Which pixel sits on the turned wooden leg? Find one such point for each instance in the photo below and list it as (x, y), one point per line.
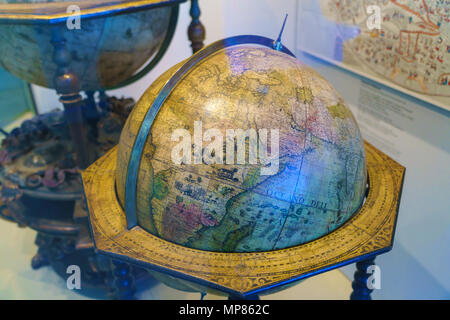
(68, 87)
(361, 290)
(196, 30)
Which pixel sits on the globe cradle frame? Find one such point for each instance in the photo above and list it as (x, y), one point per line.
(369, 232)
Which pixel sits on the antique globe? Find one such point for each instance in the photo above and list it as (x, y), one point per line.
(73, 46)
(250, 151)
(107, 48)
(241, 171)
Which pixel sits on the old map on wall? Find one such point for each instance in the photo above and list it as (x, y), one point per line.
(403, 43)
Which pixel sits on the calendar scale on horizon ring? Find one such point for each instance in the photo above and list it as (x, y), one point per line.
(200, 220)
(117, 43)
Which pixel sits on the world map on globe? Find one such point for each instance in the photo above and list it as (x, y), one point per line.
(320, 181)
(104, 51)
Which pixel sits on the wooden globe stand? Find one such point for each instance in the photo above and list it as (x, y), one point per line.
(53, 207)
(63, 242)
(368, 233)
(66, 80)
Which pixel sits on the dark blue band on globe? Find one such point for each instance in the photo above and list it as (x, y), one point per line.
(141, 138)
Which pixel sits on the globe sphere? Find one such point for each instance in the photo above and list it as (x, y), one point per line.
(309, 176)
(104, 51)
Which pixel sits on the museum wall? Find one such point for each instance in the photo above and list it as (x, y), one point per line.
(413, 133)
(417, 137)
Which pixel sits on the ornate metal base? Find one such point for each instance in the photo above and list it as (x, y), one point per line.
(40, 188)
(116, 279)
